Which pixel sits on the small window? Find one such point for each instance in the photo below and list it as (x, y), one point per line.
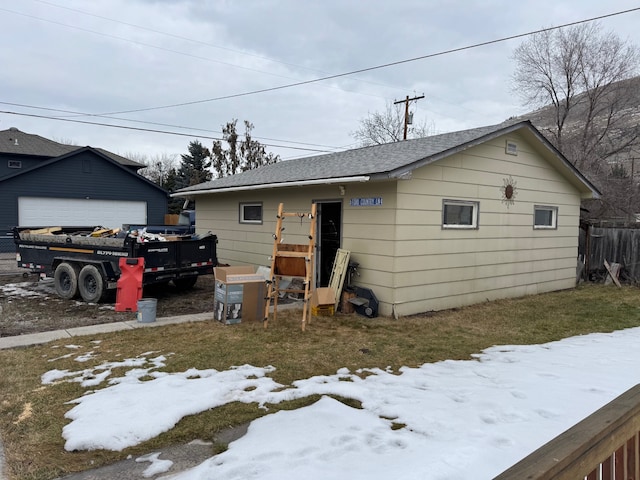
(15, 164)
(251, 213)
(511, 148)
(459, 214)
(545, 217)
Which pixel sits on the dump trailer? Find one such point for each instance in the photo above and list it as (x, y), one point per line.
(85, 261)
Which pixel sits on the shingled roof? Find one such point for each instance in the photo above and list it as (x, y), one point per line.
(16, 142)
(378, 162)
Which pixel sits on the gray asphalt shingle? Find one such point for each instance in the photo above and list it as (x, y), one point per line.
(16, 142)
(366, 161)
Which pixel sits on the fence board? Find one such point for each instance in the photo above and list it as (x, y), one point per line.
(586, 446)
(619, 245)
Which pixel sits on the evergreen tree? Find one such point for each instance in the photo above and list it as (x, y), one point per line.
(195, 166)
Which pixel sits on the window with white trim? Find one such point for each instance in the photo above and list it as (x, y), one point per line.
(251, 213)
(459, 214)
(545, 217)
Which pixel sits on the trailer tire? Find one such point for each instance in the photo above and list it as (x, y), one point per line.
(91, 284)
(66, 280)
(186, 283)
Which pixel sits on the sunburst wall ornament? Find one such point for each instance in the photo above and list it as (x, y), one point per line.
(508, 191)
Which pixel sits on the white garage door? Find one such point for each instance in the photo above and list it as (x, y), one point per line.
(36, 211)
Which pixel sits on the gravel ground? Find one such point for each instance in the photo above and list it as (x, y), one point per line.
(8, 263)
(30, 305)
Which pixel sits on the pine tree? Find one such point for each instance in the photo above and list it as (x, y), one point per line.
(195, 166)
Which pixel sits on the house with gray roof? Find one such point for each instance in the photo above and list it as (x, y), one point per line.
(434, 223)
(46, 183)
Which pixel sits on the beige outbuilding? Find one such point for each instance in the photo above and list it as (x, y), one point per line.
(434, 223)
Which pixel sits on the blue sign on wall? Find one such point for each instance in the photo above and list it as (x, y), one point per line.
(366, 202)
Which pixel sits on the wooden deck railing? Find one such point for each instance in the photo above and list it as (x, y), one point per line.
(603, 446)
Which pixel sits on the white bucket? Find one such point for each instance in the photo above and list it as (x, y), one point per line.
(147, 310)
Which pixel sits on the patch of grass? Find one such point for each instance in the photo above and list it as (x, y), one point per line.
(32, 414)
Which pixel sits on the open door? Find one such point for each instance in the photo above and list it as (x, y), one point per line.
(329, 238)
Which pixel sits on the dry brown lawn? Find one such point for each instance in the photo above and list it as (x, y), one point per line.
(32, 414)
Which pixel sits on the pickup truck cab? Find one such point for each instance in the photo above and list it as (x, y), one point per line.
(186, 225)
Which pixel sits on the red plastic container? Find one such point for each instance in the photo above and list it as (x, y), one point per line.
(129, 284)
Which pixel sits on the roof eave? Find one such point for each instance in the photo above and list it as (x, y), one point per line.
(589, 191)
(406, 170)
(263, 186)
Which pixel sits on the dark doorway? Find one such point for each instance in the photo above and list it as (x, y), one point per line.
(329, 238)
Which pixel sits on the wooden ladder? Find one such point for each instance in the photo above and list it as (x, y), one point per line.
(292, 260)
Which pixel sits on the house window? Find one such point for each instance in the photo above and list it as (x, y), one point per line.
(15, 164)
(545, 217)
(251, 213)
(459, 214)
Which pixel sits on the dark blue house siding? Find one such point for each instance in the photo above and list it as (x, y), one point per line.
(26, 162)
(81, 174)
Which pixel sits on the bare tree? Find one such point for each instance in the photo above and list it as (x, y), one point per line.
(158, 167)
(581, 73)
(387, 127)
(64, 141)
(239, 155)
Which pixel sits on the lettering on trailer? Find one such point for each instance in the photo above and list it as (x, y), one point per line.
(159, 250)
(36, 247)
(111, 253)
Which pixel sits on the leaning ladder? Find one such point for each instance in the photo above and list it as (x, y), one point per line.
(291, 260)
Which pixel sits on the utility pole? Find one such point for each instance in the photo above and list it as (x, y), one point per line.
(406, 111)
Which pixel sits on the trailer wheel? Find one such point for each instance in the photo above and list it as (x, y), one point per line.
(91, 284)
(185, 283)
(66, 281)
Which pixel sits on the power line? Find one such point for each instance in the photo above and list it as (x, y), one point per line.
(281, 87)
(13, 104)
(200, 42)
(165, 132)
(178, 37)
(177, 52)
(377, 67)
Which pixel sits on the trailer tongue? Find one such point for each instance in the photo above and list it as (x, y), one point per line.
(85, 260)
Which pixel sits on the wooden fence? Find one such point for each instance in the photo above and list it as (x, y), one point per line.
(604, 446)
(613, 244)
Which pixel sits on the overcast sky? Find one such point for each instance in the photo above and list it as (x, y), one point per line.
(108, 56)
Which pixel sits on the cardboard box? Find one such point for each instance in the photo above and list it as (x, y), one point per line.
(323, 296)
(239, 294)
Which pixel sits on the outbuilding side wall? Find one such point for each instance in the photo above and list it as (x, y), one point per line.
(367, 231)
(505, 256)
(393, 229)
